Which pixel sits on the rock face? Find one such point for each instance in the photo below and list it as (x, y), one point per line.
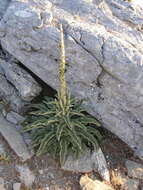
(26, 86)
(17, 87)
(104, 51)
(10, 96)
(3, 6)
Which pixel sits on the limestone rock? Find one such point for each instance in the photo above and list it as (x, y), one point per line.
(104, 51)
(2, 149)
(27, 87)
(16, 186)
(132, 184)
(14, 117)
(3, 6)
(2, 184)
(1, 181)
(135, 170)
(88, 162)
(10, 96)
(14, 139)
(26, 175)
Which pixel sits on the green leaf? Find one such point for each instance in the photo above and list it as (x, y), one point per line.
(95, 132)
(89, 120)
(78, 124)
(63, 151)
(89, 138)
(45, 141)
(74, 113)
(59, 131)
(75, 138)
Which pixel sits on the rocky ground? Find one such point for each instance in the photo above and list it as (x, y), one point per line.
(44, 173)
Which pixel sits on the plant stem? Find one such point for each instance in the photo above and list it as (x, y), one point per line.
(62, 68)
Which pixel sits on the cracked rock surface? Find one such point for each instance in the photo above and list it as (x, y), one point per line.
(104, 51)
(17, 86)
(14, 139)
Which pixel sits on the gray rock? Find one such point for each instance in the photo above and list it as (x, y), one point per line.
(16, 186)
(2, 150)
(135, 170)
(87, 163)
(2, 188)
(14, 139)
(131, 184)
(27, 87)
(26, 136)
(10, 96)
(14, 117)
(104, 51)
(3, 6)
(26, 175)
(1, 181)
(2, 184)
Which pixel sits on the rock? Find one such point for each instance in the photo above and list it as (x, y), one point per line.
(104, 51)
(132, 184)
(120, 180)
(2, 188)
(3, 6)
(14, 117)
(135, 170)
(26, 136)
(1, 181)
(26, 175)
(10, 96)
(16, 186)
(41, 172)
(88, 162)
(87, 183)
(2, 150)
(27, 87)
(14, 139)
(2, 184)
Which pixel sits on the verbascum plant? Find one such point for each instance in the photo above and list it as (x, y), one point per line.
(59, 126)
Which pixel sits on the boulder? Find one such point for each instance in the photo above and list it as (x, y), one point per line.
(2, 184)
(14, 139)
(10, 96)
(16, 186)
(3, 6)
(88, 162)
(26, 176)
(135, 170)
(24, 83)
(131, 184)
(14, 117)
(104, 52)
